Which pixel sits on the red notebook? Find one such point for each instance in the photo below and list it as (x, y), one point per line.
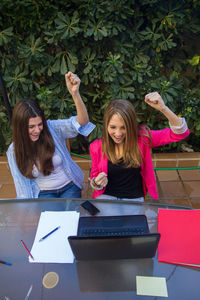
(180, 237)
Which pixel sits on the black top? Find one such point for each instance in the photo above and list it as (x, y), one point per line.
(124, 182)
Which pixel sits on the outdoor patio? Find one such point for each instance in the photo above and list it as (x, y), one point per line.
(175, 186)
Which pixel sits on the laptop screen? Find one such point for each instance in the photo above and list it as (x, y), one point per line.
(112, 225)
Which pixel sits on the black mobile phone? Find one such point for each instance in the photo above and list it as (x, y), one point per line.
(93, 210)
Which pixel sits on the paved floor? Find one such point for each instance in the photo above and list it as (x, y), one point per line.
(180, 187)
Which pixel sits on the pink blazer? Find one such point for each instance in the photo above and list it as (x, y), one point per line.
(159, 138)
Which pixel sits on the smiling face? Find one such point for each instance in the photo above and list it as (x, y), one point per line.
(35, 126)
(117, 129)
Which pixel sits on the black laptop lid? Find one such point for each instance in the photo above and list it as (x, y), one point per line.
(115, 247)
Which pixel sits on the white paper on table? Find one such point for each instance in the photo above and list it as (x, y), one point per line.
(55, 248)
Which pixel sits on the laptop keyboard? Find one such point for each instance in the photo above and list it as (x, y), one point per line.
(111, 232)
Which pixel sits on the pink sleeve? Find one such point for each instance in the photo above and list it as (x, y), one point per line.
(95, 157)
(166, 136)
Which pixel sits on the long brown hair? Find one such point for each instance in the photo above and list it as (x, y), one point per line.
(131, 151)
(28, 153)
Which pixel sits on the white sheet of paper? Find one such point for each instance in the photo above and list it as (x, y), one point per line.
(55, 248)
(151, 286)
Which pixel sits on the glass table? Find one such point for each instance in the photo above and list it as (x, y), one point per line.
(82, 280)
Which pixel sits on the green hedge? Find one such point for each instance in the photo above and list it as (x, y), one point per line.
(118, 48)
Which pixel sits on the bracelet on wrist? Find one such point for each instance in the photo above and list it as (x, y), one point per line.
(95, 185)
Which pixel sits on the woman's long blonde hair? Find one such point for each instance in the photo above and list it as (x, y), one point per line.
(131, 151)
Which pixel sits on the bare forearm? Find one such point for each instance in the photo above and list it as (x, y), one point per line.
(73, 83)
(82, 114)
(171, 116)
(156, 101)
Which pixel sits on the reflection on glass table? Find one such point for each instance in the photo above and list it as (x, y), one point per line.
(105, 279)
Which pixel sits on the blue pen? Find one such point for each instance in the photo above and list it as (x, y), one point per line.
(5, 263)
(44, 237)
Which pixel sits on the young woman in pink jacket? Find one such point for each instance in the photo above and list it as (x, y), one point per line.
(122, 166)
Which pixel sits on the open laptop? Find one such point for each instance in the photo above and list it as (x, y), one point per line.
(113, 237)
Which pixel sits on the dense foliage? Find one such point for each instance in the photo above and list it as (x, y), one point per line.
(119, 48)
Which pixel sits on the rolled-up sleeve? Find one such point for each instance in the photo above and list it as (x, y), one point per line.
(69, 128)
(83, 130)
(179, 129)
